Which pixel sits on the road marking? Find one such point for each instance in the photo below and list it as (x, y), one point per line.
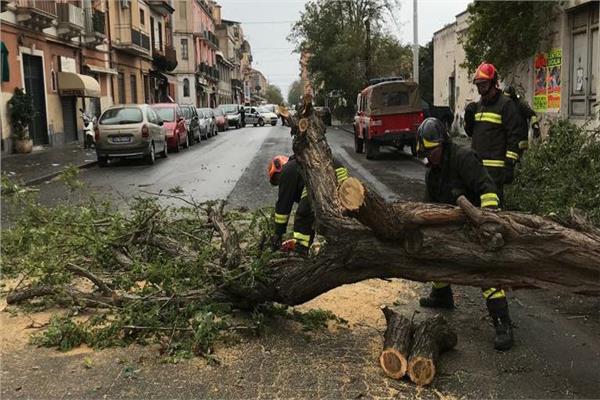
(375, 183)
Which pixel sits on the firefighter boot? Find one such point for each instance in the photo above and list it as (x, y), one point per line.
(440, 297)
(498, 309)
(300, 251)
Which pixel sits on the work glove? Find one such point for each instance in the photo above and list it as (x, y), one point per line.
(509, 172)
(536, 130)
(276, 242)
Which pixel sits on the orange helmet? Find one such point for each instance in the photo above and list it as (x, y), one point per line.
(275, 166)
(485, 72)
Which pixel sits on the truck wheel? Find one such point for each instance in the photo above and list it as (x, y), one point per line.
(372, 149)
(413, 149)
(358, 144)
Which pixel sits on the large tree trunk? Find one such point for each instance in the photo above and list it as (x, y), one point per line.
(369, 238)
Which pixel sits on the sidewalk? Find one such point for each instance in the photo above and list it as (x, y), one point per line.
(41, 165)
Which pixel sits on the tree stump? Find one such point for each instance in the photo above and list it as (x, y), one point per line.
(396, 344)
(432, 337)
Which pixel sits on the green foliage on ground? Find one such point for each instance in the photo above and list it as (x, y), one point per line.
(560, 174)
(505, 32)
(170, 292)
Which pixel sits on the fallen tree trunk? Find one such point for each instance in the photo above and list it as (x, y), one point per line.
(397, 341)
(431, 338)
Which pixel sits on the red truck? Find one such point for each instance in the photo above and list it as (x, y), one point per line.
(388, 114)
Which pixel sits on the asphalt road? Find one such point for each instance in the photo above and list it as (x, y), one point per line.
(556, 354)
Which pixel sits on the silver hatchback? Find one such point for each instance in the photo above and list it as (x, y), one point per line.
(130, 130)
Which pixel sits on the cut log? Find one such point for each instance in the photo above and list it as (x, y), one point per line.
(396, 344)
(432, 337)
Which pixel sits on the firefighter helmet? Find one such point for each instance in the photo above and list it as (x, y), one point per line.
(485, 72)
(431, 133)
(275, 166)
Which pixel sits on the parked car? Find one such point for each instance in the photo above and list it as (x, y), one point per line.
(325, 114)
(388, 114)
(260, 116)
(191, 122)
(232, 114)
(172, 116)
(208, 123)
(274, 108)
(133, 130)
(220, 120)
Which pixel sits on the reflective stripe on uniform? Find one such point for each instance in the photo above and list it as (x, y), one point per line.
(302, 239)
(489, 200)
(428, 144)
(534, 119)
(281, 218)
(512, 154)
(493, 163)
(493, 293)
(523, 144)
(488, 117)
(304, 193)
(439, 285)
(341, 174)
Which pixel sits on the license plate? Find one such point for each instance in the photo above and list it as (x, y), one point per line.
(120, 139)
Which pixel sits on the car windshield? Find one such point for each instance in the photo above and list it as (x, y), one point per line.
(122, 116)
(229, 108)
(187, 112)
(263, 110)
(167, 114)
(218, 111)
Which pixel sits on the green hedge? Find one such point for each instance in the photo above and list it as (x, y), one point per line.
(560, 174)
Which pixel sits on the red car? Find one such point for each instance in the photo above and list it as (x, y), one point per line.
(220, 120)
(388, 114)
(174, 122)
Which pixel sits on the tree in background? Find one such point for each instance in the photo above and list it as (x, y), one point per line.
(334, 33)
(273, 94)
(504, 33)
(426, 72)
(295, 92)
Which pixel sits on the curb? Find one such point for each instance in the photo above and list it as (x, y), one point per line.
(37, 181)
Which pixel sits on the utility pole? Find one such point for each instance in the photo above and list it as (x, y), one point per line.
(415, 42)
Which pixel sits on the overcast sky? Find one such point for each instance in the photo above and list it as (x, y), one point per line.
(267, 23)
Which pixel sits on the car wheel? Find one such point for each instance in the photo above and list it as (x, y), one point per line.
(151, 156)
(372, 149)
(215, 132)
(165, 152)
(102, 161)
(261, 122)
(191, 140)
(177, 145)
(186, 144)
(358, 144)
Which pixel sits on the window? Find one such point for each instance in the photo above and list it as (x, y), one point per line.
(142, 17)
(53, 80)
(186, 87)
(584, 61)
(160, 36)
(133, 82)
(184, 49)
(121, 115)
(121, 84)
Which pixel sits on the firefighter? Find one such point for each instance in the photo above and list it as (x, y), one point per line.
(527, 114)
(285, 172)
(495, 126)
(454, 171)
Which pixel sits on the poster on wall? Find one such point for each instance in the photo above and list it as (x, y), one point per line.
(540, 92)
(553, 81)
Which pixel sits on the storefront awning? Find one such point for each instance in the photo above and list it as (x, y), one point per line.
(102, 70)
(72, 84)
(164, 76)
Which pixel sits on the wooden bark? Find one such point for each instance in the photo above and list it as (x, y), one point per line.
(396, 344)
(432, 337)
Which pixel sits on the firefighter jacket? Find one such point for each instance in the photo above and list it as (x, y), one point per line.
(292, 190)
(496, 128)
(460, 173)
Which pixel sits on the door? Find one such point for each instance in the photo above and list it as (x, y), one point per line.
(33, 71)
(69, 115)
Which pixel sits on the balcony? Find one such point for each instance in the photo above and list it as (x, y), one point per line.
(36, 14)
(95, 30)
(165, 61)
(161, 6)
(132, 41)
(210, 38)
(70, 20)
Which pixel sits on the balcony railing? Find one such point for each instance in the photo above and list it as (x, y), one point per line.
(165, 61)
(36, 14)
(99, 22)
(132, 40)
(70, 20)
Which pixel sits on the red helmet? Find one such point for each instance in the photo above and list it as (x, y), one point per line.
(275, 166)
(485, 72)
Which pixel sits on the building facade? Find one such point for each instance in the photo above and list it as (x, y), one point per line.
(560, 81)
(236, 50)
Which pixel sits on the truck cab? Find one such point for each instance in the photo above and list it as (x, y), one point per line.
(388, 114)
